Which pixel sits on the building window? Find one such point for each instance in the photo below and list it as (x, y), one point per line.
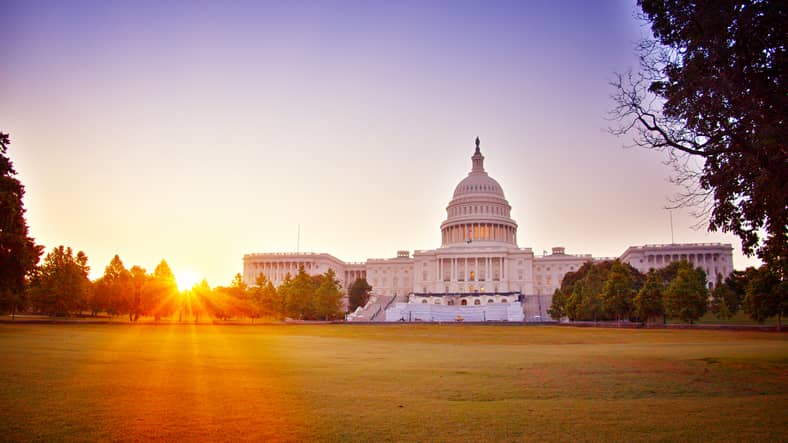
(464, 302)
(503, 300)
(437, 301)
(489, 300)
(477, 302)
(424, 301)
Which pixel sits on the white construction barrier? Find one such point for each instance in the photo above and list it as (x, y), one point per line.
(425, 312)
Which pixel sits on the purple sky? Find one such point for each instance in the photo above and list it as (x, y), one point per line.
(201, 131)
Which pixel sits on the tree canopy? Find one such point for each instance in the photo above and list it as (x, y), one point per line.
(18, 252)
(712, 88)
(358, 294)
(60, 286)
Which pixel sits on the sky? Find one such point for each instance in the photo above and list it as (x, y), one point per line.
(198, 132)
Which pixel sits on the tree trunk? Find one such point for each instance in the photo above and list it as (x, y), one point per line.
(779, 322)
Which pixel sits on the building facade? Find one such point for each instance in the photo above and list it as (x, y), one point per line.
(479, 263)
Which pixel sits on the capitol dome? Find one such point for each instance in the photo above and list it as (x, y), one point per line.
(478, 211)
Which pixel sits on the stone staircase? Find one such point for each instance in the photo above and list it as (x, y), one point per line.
(375, 309)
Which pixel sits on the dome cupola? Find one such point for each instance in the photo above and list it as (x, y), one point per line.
(478, 211)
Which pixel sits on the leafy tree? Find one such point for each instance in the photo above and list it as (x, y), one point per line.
(298, 294)
(767, 296)
(686, 296)
(648, 302)
(712, 92)
(737, 281)
(61, 285)
(358, 294)
(18, 252)
(558, 308)
(161, 292)
(591, 306)
(110, 291)
(573, 302)
(724, 303)
(136, 301)
(200, 300)
(618, 292)
(232, 301)
(264, 297)
(328, 298)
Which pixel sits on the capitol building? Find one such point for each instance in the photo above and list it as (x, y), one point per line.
(479, 273)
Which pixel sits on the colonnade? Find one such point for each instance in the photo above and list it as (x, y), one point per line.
(710, 262)
(352, 276)
(471, 269)
(692, 258)
(276, 270)
(479, 231)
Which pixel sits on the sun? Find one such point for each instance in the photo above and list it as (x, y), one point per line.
(186, 279)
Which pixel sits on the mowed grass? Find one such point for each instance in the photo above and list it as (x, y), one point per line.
(393, 382)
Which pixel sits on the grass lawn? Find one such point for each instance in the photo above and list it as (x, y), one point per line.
(383, 383)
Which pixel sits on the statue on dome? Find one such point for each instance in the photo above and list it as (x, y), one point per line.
(477, 145)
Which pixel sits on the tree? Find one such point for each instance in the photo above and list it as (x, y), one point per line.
(558, 307)
(200, 300)
(358, 294)
(136, 303)
(724, 302)
(591, 306)
(264, 297)
(61, 285)
(648, 302)
(18, 252)
(328, 298)
(685, 297)
(712, 94)
(767, 296)
(619, 291)
(110, 291)
(161, 292)
(298, 294)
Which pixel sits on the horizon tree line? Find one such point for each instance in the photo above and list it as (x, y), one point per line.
(60, 286)
(616, 291)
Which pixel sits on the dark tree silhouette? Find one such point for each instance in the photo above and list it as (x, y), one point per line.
(711, 93)
(18, 252)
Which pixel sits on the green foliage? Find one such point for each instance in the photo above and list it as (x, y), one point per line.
(648, 302)
(712, 86)
(724, 302)
(298, 294)
(686, 296)
(558, 309)
(590, 306)
(766, 296)
(61, 285)
(328, 299)
(307, 297)
(358, 294)
(619, 291)
(18, 252)
(264, 299)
